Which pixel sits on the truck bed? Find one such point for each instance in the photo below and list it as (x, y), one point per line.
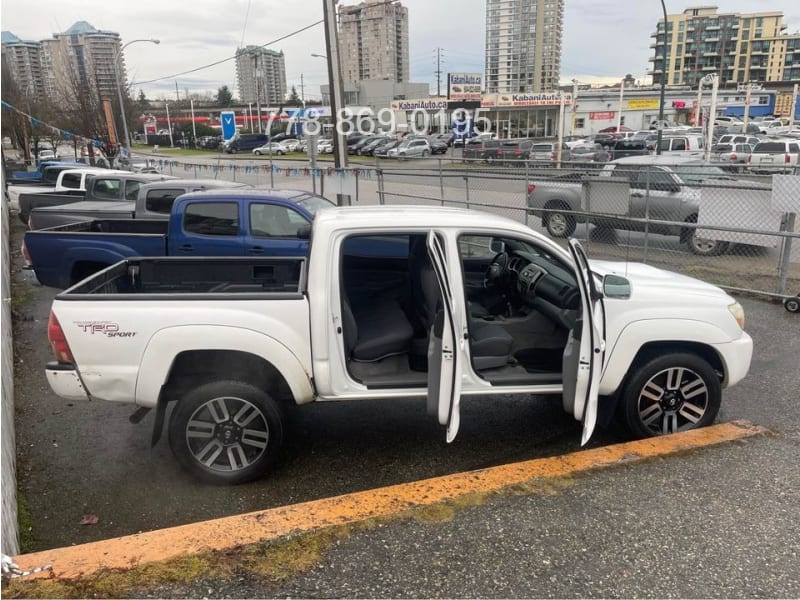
(30, 200)
(53, 216)
(193, 278)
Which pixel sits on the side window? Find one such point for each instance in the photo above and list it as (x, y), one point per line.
(794, 148)
(161, 201)
(273, 220)
(630, 172)
(656, 178)
(212, 218)
(106, 188)
(71, 181)
(679, 144)
(132, 189)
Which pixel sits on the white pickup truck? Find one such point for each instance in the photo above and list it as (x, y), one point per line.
(392, 302)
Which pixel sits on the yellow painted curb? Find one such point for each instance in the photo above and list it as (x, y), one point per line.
(229, 532)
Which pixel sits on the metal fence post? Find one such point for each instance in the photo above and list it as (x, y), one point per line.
(441, 182)
(195, 171)
(466, 189)
(786, 250)
(646, 214)
(381, 199)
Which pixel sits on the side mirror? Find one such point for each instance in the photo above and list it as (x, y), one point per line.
(497, 246)
(616, 286)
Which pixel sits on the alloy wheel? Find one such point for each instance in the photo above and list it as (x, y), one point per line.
(672, 400)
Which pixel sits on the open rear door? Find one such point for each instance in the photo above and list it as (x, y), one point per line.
(583, 357)
(444, 352)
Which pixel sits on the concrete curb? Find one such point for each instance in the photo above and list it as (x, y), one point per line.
(229, 532)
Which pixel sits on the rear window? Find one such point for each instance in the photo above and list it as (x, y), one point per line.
(212, 218)
(542, 148)
(770, 148)
(106, 188)
(71, 180)
(722, 148)
(160, 201)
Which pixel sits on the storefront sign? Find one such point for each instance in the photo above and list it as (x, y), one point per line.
(602, 116)
(492, 100)
(642, 103)
(422, 104)
(464, 86)
(783, 104)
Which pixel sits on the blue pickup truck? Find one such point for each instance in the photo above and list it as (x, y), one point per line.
(38, 175)
(233, 222)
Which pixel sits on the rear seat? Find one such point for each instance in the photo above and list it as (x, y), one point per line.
(375, 331)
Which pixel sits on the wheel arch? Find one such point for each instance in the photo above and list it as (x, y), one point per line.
(636, 345)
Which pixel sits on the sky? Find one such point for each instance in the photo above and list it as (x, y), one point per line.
(603, 39)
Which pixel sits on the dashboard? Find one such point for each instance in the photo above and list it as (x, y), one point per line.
(545, 285)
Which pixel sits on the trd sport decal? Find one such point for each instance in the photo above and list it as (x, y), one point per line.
(106, 328)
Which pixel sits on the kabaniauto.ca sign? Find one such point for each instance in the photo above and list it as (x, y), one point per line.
(464, 86)
(422, 104)
(491, 100)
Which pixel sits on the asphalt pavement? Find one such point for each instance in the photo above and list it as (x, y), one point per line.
(715, 523)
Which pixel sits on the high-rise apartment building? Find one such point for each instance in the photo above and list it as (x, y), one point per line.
(739, 47)
(523, 45)
(261, 75)
(373, 41)
(82, 57)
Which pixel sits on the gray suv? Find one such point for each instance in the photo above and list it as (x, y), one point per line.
(411, 149)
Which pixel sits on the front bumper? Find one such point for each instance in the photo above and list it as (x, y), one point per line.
(65, 381)
(736, 357)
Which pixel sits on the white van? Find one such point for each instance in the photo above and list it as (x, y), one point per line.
(679, 144)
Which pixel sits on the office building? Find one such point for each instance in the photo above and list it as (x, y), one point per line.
(523, 45)
(22, 60)
(261, 76)
(739, 47)
(373, 41)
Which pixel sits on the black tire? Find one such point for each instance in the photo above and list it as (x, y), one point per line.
(558, 222)
(792, 304)
(249, 448)
(424, 154)
(257, 153)
(701, 246)
(669, 393)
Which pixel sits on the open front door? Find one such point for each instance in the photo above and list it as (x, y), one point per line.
(583, 356)
(444, 352)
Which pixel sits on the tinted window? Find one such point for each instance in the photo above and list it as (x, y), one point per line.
(161, 201)
(794, 148)
(71, 180)
(770, 148)
(132, 189)
(656, 179)
(314, 203)
(272, 220)
(542, 148)
(106, 188)
(212, 218)
(679, 144)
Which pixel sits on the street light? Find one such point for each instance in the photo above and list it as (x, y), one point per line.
(119, 89)
(660, 125)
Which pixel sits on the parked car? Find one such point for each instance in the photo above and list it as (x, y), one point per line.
(514, 153)
(575, 140)
(728, 121)
(665, 187)
(245, 142)
(775, 127)
(481, 149)
(678, 144)
(775, 155)
(647, 136)
(587, 154)
(411, 149)
(629, 147)
(368, 148)
(209, 142)
(270, 148)
(548, 152)
(438, 145)
(325, 146)
(46, 155)
(615, 129)
(290, 145)
(382, 151)
(730, 154)
(732, 138)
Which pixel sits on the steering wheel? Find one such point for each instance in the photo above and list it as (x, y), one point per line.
(497, 269)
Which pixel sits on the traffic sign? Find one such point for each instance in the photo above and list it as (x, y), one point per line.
(228, 120)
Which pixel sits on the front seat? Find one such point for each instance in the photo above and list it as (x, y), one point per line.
(490, 344)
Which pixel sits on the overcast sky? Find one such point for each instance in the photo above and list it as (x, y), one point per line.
(603, 39)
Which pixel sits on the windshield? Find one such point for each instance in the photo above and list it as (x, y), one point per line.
(698, 173)
(314, 203)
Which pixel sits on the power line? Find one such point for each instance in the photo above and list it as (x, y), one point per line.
(224, 60)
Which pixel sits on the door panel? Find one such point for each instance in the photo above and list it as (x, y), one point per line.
(583, 357)
(445, 347)
(272, 231)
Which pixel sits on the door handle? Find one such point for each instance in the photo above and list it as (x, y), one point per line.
(255, 250)
(187, 247)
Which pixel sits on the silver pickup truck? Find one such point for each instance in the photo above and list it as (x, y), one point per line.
(153, 201)
(664, 191)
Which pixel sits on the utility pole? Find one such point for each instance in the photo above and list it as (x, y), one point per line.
(177, 94)
(438, 71)
(336, 88)
(574, 106)
(747, 96)
(793, 107)
(660, 125)
(619, 114)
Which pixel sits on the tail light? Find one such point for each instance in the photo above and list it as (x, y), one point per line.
(749, 158)
(552, 156)
(733, 157)
(58, 341)
(26, 255)
(531, 187)
(788, 159)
